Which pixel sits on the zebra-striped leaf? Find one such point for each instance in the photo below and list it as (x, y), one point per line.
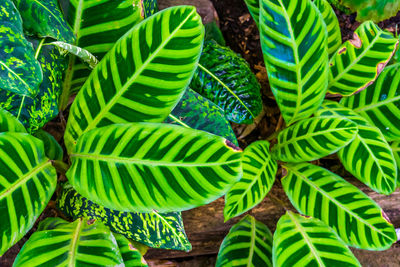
(358, 220)
(154, 229)
(259, 171)
(300, 241)
(359, 61)
(254, 8)
(368, 157)
(295, 47)
(83, 54)
(314, 138)
(141, 78)
(27, 182)
(248, 243)
(52, 148)
(145, 166)
(9, 123)
(130, 254)
(380, 103)
(60, 243)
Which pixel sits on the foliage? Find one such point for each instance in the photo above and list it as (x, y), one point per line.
(376, 10)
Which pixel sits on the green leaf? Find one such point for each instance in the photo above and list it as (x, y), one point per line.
(140, 81)
(248, 243)
(154, 229)
(197, 112)
(380, 103)
(254, 8)
(227, 80)
(376, 10)
(9, 123)
(52, 148)
(358, 220)
(60, 243)
(368, 157)
(314, 138)
(213, 32)
(295, 47)
(300, 241)
(129, 253)
(259, 171)
(396, 153)
(145, 166)
(359, 61)
(44, 19)
(20, 72)
(83, 54)
(332, 25)
(27, 182)
(35, 112)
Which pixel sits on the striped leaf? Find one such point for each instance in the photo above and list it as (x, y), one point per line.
(358, 220)
(368, 157)
(248, 243)
(259, 171)
(295, 47)
(197, 112)
(154, 229)
(140, 80)
(9, 123)
(314, 138)
(359, 61)
(145, 166)
(60, 243)
(27, 182)
(81, 53)
(332, 25)
(380, 103)
(20, 72)
(98, 24)
(44, 19)
(226, 79)
(303, 241)
(52, 148)
(254, 8)
(130, 255)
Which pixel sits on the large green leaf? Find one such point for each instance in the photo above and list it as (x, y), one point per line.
(368, 157)
(358, 220)
(248, 243)
(27, 182)
(300, 241)
(52, 148)
(314, 138)
(227, 80)
(380, 103)
(259, 170)
(254, 8)
(358, 62)
(130, 255)
(145, 166)
(154, 229)
(376, 10)
(98, 24)
(295, 47)
(60, 243)
(197, 112)
(140, 78)
(19, 70)
(44, 19)
(9, 123)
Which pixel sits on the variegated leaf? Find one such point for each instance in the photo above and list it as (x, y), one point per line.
(81, 53)
(130, 255)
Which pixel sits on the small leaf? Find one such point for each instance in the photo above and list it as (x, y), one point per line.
(83, 54)
(129, 253)
(52, 148)
(376, 10)
(9, 123)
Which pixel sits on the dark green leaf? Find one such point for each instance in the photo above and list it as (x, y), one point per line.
(52, 148)
(214, 33)
(376, 10)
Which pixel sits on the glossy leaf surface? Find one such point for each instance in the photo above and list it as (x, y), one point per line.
(129, 253)
(259, 170)
(376, 10)
(9, 123)
(81, 53)
(52, 148)
(295, 47)
(140, 81)
(357, 219)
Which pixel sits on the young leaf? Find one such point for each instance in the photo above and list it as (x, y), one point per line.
(248, 243)
(254, 8)
(259, 171)
(60, 243)
(52, 148)
(27, 182)
(368, 157)
(20, 72)
(9, 123)
(358, 220)
(380, 103)
(138, 80)
(295, 47)
(145, 166)
(376, 10)
(358, 62)
(129, 253)
(154, 229)
(300, 241)
(197, 112)
(83, 54)
(44, 19)
(313, 138)
(227, 80)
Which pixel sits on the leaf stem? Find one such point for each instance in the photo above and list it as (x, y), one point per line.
(60, 166)
(178, 121)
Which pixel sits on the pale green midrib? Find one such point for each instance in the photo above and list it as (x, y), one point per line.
(74, 244)
(378, 104)
(48, 10)
(122, 90)
(307, 239)
(226, 87)
(252, 242)
(24, 179)
(16, 75)
(173, 230)
(178, 121)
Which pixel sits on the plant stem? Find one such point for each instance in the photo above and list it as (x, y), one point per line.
(178, 121)
(60, 166)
